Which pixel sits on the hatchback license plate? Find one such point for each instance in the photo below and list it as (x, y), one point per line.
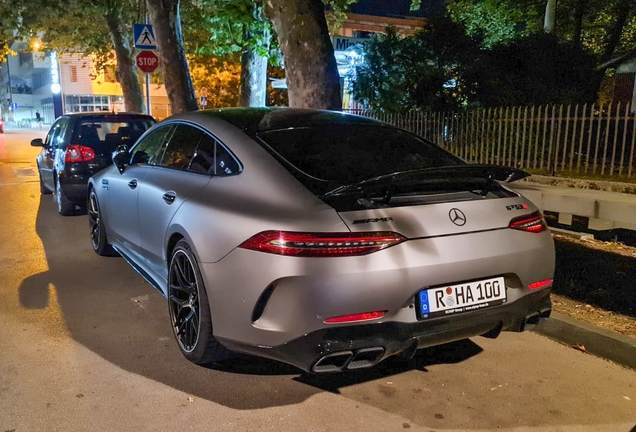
(466, 297)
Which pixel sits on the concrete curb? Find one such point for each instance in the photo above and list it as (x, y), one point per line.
(600, 342)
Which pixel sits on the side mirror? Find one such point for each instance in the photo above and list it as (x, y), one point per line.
(121, 156)
(37, 142)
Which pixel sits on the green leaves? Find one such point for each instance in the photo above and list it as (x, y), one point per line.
(423, 71)
(222, 27)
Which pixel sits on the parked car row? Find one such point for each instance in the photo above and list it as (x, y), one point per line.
(323, 240)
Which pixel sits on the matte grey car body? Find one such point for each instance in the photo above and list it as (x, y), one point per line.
(229, 240)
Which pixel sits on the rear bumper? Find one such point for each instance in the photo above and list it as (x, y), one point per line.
(74, 181)
(75, 192)
(356, 346)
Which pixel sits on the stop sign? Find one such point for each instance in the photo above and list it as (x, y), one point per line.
(147, 61)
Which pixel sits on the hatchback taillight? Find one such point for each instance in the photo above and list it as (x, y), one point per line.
(79, 153)
(533, 223)
(303, 244)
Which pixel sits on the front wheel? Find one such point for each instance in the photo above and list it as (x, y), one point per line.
(189, 309)
(98, 230)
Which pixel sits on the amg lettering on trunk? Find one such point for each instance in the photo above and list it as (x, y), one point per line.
(365, 221)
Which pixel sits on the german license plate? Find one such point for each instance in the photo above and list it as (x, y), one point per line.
(466, 297)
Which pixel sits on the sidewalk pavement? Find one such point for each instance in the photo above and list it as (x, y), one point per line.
(610, 345)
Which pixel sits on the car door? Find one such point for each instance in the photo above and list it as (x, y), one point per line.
(123, 190)
(166, 187)
(52, 143)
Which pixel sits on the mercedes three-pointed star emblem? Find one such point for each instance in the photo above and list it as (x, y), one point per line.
(457, 217)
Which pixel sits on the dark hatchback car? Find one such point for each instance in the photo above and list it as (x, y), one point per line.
(80, 145)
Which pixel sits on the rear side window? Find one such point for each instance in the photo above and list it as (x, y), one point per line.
(348, 154)
(181, 147)
(105, 135)
(212, 158)
(150, 149)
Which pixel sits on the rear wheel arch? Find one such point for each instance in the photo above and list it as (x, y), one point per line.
(172, 243)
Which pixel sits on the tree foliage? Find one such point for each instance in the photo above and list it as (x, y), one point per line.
(442, 68)
(224, 27)
(537, 69)
(421, 71)
(497, 21)
(220, 77)
(584, 22)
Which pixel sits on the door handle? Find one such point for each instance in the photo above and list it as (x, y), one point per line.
(132, 184)
(169, 197)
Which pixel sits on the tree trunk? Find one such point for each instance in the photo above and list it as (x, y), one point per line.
(310, 65)
(549, 23)
(579, 13)
(253, 88)
(166, 23)
(615, 33)
(126, 72)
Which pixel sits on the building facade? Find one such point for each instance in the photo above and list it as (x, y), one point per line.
(28, 83)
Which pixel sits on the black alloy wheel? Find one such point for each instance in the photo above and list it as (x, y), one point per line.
(98, 230)
(189, 310)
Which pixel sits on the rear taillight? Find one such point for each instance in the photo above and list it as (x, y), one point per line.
(321, 244)
(79, 153)
(533, 223)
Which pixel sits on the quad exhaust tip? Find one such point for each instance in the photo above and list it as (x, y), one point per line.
(365, 358)
(333, 362)
(535, 318)
(362, 358)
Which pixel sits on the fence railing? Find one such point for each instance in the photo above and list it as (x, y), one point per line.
(584, 140)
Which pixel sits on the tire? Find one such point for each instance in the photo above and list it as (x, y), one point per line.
(97, 228)
(43, 189)
(189, 309)
(64, 206)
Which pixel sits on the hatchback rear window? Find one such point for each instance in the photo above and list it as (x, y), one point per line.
(351, 153)
(105, 135)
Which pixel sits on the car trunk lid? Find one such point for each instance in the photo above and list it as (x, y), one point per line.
(431, 202)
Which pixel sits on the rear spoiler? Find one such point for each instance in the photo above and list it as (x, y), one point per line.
(438, 175)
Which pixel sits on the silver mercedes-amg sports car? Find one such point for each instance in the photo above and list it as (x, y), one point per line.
(324, 240)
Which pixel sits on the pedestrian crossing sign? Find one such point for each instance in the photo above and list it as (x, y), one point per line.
(144, 37)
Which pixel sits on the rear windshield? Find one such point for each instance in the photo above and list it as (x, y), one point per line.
(348, 154)
(105, 135)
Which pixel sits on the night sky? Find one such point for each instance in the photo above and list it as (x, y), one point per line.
(396, 8)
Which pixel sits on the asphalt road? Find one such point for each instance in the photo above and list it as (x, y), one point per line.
(85, 345)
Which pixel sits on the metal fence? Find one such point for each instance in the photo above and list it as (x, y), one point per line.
(575, 140)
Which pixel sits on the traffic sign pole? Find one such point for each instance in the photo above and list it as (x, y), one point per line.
(148, 94)
(148, 110)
